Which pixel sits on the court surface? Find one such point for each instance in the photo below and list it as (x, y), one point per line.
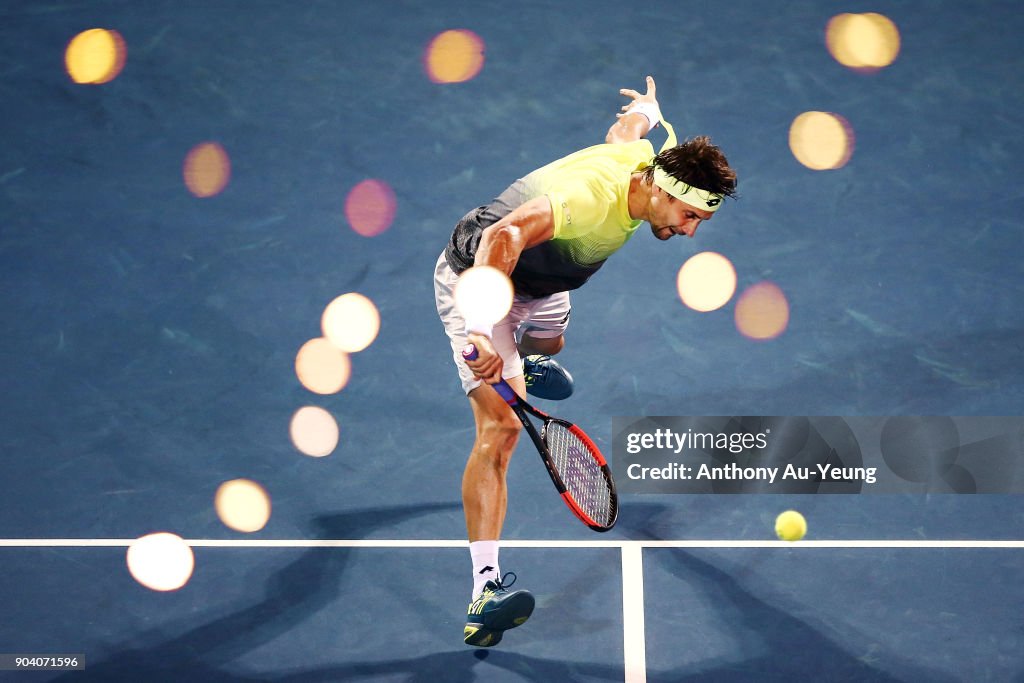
(150, 338)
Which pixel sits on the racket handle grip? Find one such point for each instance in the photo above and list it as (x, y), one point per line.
(469, 352)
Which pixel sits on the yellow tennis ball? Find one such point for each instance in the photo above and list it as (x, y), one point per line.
(790, 525)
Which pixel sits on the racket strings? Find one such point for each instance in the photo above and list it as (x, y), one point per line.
(581, 474)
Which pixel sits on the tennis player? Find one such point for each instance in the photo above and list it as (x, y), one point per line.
(550, 231)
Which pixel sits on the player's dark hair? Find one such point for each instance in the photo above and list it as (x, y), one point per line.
(699, 163)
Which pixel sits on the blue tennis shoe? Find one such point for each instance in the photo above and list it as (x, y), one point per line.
(546, 378)
(496, 610)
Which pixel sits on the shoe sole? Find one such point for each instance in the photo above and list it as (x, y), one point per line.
(481, 637)
(515, 610)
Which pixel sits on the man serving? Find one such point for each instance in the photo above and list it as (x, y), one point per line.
(550, 231)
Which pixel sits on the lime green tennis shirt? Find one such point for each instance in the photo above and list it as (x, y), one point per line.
(589, 193)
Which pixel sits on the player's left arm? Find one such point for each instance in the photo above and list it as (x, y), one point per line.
(639, 117)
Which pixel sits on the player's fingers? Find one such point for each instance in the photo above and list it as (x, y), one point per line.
(629, 93)
(488, 370)
(650, 85)
(493, 375)
(486, 376)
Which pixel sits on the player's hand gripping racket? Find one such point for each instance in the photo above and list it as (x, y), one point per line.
(577, 468)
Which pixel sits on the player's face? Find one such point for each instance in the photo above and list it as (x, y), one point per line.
(670, 216)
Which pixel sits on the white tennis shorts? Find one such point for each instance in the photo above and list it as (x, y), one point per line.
(544, 318)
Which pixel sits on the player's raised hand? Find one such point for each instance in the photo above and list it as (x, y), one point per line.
(649, 97)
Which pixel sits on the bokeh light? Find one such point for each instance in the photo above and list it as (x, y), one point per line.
(483, 295)
(314, 431)
(322, 367)
(161, 561)
(863, 42)
(762, 311)
(95, 56)
(370, 207)
(454, 56)
(243, 505)
(351, 322)
(821, 140)
(706, 281)
(207, 169)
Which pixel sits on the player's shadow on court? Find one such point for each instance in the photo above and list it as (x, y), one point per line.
(461, 666)
(787, 648)
(292, 595)
(649, 521)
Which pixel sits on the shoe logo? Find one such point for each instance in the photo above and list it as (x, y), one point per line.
(486, 569)
(478, 605)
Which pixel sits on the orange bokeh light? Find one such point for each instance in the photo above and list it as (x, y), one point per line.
(207, 169)
(322, 367)
(351, 322)
(95, 56)
(762, 311)
(821, 140)
(370, 207)
(242, 505)
(863, 42)
(454, 56)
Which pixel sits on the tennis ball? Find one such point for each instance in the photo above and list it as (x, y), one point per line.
(790, 525)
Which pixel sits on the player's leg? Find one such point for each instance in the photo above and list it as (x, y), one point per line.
(484, 494)
(484, 491)
(494, 608)
(541, 336)
(540, 346)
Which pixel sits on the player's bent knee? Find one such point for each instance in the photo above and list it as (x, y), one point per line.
(497, 427)
(498, 437)
(547, 346)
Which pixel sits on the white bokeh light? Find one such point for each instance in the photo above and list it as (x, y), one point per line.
(160, 561)
(706, 281)
(483, 295)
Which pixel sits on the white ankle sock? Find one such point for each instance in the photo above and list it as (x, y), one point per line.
(485, 564)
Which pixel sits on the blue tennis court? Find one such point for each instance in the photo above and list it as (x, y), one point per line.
(172, 231)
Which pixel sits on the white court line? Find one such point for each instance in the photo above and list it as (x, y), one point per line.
(462, 543)
(634, 641)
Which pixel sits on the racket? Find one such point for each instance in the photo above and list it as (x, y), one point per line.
(578, 470)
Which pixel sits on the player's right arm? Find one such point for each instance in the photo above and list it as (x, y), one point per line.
(500, 246)
(527, 226)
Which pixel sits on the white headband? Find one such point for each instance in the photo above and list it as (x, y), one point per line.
(694, 196)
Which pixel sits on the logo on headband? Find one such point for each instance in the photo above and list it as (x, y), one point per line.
(713, 201)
